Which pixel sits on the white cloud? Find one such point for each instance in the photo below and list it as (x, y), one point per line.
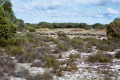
(48, 10)
(113, 11)
(116, 1)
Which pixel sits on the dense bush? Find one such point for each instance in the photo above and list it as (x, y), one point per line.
(113, 29)
(7, 29)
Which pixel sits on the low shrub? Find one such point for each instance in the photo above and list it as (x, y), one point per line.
(117, 55)
(62, 46)
(51, 62)
(71, 67)
(73, 57)
(7, 42)
(77, 43)
(14, 50)
(31, 29)
(62, 36)
(99, 57)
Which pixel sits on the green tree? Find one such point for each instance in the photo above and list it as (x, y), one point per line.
(113, 29)
(7, 28)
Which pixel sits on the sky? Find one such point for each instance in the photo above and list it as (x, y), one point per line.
(75, 11)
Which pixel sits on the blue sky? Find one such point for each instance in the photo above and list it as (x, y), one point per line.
(77, 11)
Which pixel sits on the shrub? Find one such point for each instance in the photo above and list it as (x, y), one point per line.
(51, 62)
(26, 57)
(31, 29)
(104, 45)
(71, 67)
(99, 57)
(62, 47)
(62, 36)
(73, 57)
(77, 43)
(4, 42)
(7, 30)
(117, 55)
(14, 50)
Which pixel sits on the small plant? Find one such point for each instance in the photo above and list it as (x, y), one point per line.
(73, 57)
(14, 50)
(51, 62)
(99, 57)
(62, 47)
(31, 29)
(71, 67)
(77, 43)
(62, 35)
(117, 55)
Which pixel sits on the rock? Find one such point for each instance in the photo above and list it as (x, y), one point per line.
(37, 63)
(45, 76)
(7, 65)
(113, 29)
(22, 74)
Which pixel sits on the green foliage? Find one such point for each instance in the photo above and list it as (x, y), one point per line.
(68, 25)
(77, 43)
(62, 47)
(7, 29)
(99, 57)
(51, 62)
(62, 36)
(117, 55)
(73, 57)
(113, 29)
(31, 29)
(14, 50)
(8, 11)
(98, 26)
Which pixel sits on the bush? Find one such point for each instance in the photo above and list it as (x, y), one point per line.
(14, 50)
(117, 55)
(31, 29)
(62, 36)
(51, 62)
(99, 57)
(77, 43)
(4, 42)
(7, 29)
(73, 57)
(71, 67)
(62, 47)
(26, 57)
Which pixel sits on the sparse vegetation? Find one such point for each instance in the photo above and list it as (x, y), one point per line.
(99, 57)
(74, 57)
(51, 62)
(22, 46)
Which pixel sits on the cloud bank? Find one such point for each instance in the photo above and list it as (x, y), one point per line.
(89, 11)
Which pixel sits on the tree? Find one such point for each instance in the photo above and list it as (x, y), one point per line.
(113, 29)
(7, 29)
